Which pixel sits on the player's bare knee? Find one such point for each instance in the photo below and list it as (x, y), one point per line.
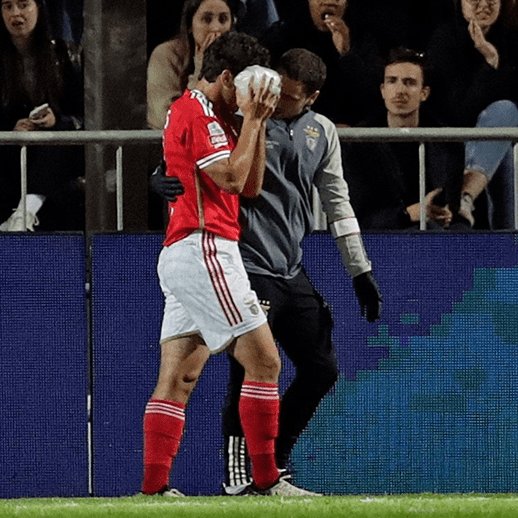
(190, 378)
(266, 369)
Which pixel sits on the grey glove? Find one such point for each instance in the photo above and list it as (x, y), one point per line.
(168, 187)
(368, 295)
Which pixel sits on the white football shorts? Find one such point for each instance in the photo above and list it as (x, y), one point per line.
(207, 291)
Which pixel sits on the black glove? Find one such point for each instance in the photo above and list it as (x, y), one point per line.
(168, 187)
(368, 295)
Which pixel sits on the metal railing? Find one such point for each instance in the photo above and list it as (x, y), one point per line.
(127, 137)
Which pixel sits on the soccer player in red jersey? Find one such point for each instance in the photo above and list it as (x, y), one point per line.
(209, 305)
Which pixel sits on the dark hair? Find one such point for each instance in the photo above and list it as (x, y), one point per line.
(405, 55)
(304, 66)
(232, 51)
(48, 78)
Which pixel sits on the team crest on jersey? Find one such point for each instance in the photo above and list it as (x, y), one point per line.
(312, 136)
(217, 136)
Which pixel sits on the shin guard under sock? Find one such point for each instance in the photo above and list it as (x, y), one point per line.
(163, 427)
(259, 413)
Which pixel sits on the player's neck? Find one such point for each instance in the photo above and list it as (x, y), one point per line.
(212, 91)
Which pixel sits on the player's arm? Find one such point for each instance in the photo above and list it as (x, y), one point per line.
(254, 182)
(344, 227)
(232, 173)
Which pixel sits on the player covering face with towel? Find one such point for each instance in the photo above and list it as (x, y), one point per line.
(302, 151)
(209, 305)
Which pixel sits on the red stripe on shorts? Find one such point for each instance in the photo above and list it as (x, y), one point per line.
(219, 282)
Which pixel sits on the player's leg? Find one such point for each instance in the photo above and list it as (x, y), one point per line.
(237, 464)
(259, 411)
(259, 401)
(304, 333)
(181, 363)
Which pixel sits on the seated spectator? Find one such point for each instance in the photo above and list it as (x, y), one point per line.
(383, 177)
(475, 59)
(175, 64)
(353, 68)
(37, 70)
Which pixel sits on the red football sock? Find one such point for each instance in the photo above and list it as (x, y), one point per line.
(259, 412)
(163, 427)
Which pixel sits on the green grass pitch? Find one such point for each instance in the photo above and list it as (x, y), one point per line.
(400, 506)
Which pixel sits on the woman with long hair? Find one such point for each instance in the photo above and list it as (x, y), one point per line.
(474, 58)
(175, 64)
(41, 88)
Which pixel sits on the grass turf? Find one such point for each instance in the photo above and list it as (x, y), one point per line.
(400, 506)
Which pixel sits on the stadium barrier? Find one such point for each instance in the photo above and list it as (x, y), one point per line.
(126, 137)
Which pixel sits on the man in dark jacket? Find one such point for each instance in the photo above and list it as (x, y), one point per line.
(383, 178)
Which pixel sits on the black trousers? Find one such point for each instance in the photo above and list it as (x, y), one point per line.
(301, 323)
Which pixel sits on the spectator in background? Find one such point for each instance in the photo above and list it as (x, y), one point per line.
(475, 58)
(175, 64)
(383, 177)
(163, 18)
(36, 69)
(353, 67)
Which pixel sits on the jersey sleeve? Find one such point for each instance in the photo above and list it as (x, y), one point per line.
(210, 141)
(334, 194)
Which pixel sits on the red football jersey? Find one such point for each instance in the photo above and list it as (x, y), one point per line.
(194, 138)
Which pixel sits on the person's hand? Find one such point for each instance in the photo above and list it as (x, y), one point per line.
(47, 121)
(258, 103)
(199, 49)
(441, 215)
(368, 295)
(339, 32)
(168, 187)
(212, 36)
(488, 50)
(24, 125)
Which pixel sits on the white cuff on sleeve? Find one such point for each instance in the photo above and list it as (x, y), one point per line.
(344, 227)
